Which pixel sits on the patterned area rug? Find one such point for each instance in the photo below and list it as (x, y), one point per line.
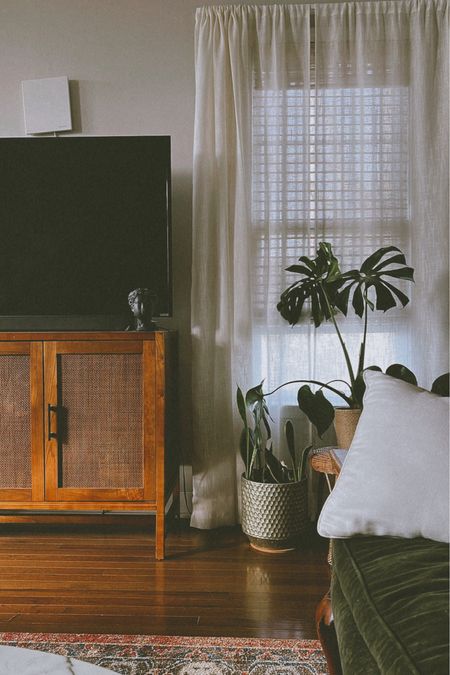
(165, 655)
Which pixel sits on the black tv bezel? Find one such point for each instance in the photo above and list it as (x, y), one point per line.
(93, 322)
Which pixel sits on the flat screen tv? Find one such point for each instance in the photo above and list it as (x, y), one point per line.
(83, 221)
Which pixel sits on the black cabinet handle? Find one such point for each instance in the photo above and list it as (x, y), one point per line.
(50, 409)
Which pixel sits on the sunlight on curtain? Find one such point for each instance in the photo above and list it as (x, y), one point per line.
(374, 63)
(306, 135)
(237, 48)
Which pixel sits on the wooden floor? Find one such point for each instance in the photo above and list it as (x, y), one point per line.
(104, 579)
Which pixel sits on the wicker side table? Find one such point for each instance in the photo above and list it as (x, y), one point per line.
(327, 461)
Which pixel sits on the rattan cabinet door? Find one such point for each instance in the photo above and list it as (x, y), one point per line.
(21, 432)
(99, 442)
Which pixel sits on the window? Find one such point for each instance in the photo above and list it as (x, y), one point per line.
(329, 163)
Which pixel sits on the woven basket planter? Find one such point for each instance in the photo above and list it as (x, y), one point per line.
(345, 421)
(274, 515)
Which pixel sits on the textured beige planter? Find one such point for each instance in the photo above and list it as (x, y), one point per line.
(345, 421)
(274, 515)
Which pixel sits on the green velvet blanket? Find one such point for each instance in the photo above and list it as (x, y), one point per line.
(390, 601)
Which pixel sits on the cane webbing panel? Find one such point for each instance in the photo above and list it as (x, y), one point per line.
(15, 421)
(100, 424)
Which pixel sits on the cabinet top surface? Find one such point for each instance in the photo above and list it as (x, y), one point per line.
(28, 336)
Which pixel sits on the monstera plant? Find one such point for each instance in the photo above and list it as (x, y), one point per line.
(328, 292)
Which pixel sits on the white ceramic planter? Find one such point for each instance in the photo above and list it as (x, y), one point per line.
(274, 515)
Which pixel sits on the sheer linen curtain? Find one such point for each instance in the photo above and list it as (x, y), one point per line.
(237, 49)
(339, 134)
(382, 117)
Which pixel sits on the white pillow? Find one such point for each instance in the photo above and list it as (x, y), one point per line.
(395, 478)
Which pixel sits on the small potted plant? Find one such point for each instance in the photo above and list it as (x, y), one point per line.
(274, 496)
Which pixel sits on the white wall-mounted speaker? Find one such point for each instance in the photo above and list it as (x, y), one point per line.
(46, 105)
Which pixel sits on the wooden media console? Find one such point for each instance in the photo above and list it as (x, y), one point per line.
(87, 423)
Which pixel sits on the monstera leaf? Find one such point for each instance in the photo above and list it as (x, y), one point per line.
(372, 275)
(441, 385)
(316, 407)
(401, 373)
(397, 370)
(321, 279)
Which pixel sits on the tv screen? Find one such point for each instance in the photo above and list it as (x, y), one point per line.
(83, 221)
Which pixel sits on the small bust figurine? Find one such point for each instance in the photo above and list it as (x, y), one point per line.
(141, 302)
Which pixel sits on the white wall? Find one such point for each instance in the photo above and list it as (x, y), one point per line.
(130, 63)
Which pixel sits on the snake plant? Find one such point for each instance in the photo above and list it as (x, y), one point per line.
(261, 464)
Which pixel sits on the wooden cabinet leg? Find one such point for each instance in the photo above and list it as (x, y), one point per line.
(327, 635)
